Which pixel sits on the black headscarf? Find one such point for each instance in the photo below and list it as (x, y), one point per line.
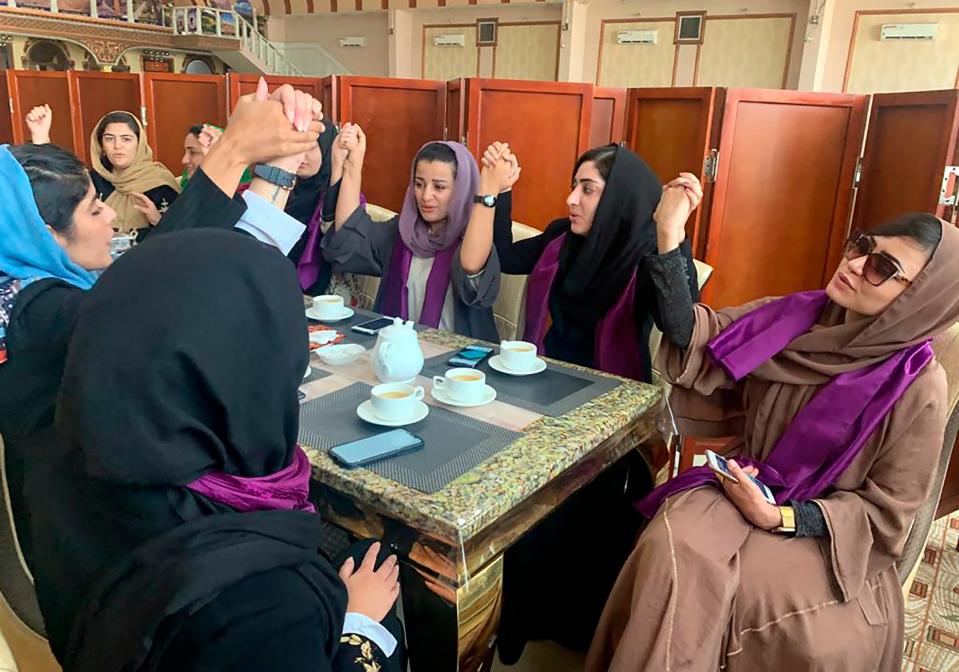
(308, 191)
(195, 371)
(595, 269)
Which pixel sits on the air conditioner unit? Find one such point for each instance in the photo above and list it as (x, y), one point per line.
(637, 36)
(909, 31)
(352, 41)
(450, 40)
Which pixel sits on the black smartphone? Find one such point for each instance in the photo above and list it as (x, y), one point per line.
(373, 327)
(471, 356)
(372, 448)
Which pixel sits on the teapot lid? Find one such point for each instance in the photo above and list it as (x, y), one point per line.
(399, 329)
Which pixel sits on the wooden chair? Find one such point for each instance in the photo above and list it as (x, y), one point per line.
(947, 352)
(21, 624)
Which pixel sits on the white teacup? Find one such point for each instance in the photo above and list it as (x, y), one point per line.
(464, 385)
(518, 355)
(395, 401)
(328, 306)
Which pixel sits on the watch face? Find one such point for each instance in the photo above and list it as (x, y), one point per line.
(489, 201)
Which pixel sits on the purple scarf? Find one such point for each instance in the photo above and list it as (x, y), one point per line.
(311, 261)
(616, 342)
(396, 300)
(827, 434)
(286, 490)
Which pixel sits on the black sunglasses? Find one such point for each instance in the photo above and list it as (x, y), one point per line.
(879, 266)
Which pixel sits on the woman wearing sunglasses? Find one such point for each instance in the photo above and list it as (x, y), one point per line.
(837, 404)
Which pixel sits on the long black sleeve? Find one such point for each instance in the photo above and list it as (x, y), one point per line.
(675, 290)
(810, 521)
(201, 205)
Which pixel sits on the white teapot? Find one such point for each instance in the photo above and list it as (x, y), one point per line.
(397, 357)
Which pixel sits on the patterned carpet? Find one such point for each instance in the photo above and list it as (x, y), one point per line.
(932, 610)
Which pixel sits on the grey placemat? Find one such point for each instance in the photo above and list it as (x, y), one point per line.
(359, 317)
(454, 443)
(555, 391)
(316, 373)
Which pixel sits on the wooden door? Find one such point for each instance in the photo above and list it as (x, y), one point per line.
(608, 124)
(6, 118)
(674, 129)
(547, 125)
(398, 116)
(912, 138)
(456, 110)
(783, 192)
(29, 89)
(329, 98)
(173, 104)
(96, 94)
(242, 84)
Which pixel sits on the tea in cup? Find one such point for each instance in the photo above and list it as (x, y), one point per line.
(395, 401)
(464, 385)
(518, 355)
(328, 306)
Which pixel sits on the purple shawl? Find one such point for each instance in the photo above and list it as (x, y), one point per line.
(287, 489)
(615, 348)
(827, 434)
(311, 261)
(415, 239)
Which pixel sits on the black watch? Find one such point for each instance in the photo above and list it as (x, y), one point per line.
(281, 178)
(488, 201)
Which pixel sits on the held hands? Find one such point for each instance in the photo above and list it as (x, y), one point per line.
(371, 591)
(275, 128)
(208, 137)
(680, 199)
(146, 208)
(39, 120)
(351, 142)
(748, 499)
(500, 170)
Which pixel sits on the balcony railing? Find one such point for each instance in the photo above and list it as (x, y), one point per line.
(214, 22)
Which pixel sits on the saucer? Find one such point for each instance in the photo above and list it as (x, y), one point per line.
(496, 363)
(345, 315)
(340, 355)
(365, 411)
(440, 395)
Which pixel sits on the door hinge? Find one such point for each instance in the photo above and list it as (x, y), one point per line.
(143, 115)
(857, 176)
(947, 175)
(711, 165)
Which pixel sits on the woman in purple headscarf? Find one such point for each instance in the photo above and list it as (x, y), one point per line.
(416, 252)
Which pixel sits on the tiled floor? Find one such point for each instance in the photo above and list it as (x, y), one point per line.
(932, 610)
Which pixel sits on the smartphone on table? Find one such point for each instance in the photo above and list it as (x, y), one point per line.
(373, 448)
(471, 356)
(373, 327)
(721, 468)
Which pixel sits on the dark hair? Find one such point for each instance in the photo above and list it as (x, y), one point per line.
(115, 118)
(603, 157)
(196, 130)
(59, 182)
(437, 151)
(922, 227)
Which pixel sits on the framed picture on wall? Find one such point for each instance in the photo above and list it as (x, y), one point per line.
(690, 27)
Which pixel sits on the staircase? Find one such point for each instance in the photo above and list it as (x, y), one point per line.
(248, 50)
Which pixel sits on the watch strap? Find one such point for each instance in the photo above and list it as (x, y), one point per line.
(281, 178)
(788, 526)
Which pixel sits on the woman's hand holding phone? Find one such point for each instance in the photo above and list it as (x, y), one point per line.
(748, 499)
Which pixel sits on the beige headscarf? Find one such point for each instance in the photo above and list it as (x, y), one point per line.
(138, 178)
